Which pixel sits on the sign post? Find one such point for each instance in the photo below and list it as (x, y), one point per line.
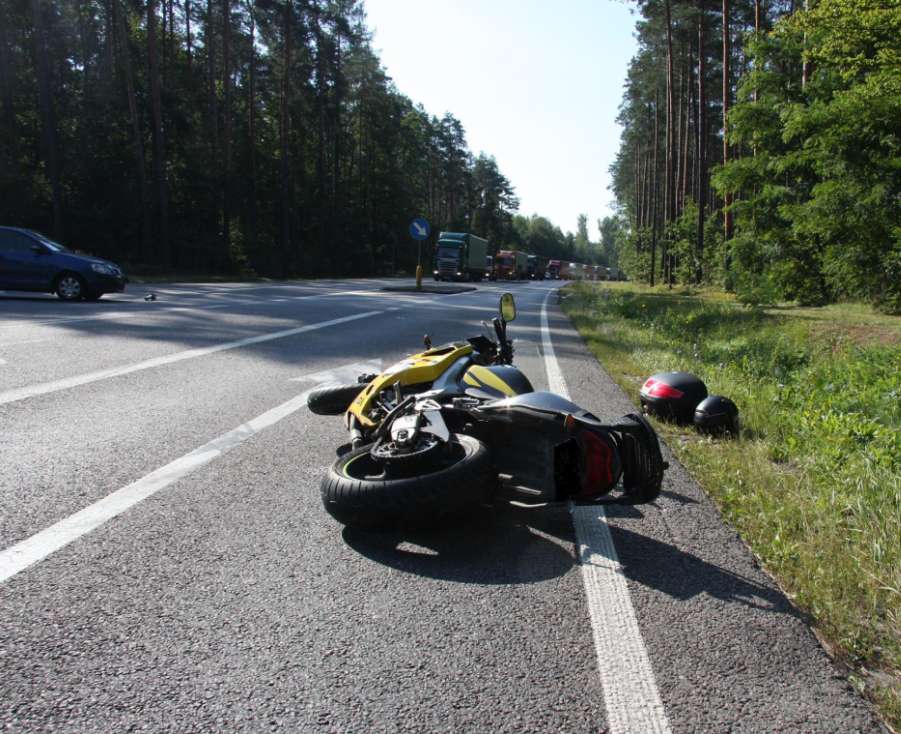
(419, 230)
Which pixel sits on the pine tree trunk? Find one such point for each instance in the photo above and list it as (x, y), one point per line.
(252, 133)
(48, 117)
(702, 149)
(757, 35)
(669, 187)
(727, 198)
(162, 43)
(159, 151)
(655, 190)
(226, 130)
(335, 207)
(686, 177)
(805, 64)
(121, 27)
(636, 170)
(109, 50)
(678, 163)
(189, 50)
(214, 173)
(284, 161)
(6, 89)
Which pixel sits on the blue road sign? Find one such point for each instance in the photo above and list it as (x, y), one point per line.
(419, 228)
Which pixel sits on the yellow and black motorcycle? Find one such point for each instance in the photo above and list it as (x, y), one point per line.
(445, 430)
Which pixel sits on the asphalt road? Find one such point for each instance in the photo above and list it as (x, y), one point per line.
(227, 600)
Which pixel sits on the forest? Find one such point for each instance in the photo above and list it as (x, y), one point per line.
(761, 150)
(245, 137)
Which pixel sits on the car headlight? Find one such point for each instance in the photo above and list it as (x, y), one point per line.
(104, 269)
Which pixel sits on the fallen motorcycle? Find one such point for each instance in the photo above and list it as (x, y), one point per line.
(457, 425)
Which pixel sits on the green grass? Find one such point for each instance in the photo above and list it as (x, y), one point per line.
(814, 482)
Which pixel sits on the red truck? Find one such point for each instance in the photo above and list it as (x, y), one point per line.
(511, 265)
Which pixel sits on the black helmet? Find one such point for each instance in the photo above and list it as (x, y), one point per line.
(717, 416)
(672, 395)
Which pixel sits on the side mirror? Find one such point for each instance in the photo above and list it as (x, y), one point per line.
(508, 307)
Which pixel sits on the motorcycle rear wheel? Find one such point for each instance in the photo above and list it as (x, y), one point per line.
(358, 492)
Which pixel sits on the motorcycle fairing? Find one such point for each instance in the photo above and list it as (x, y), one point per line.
(422, 368)
(551, 448)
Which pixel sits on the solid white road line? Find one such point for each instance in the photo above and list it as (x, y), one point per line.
(23, 393)
(26, 553)
(630, 692)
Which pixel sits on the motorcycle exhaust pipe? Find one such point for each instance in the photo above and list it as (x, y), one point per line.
(356, 435)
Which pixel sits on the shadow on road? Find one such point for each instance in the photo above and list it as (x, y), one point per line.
(682, 575)
(496, 545)
(511, 545)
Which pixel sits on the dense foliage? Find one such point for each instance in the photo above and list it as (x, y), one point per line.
(229, 135)
(761, 149)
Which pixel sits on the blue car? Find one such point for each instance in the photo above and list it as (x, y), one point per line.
(29, 261)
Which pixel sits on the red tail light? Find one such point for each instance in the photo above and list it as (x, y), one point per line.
(654, 389)
(598, 463)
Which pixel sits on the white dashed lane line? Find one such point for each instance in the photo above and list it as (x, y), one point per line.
(20, 556)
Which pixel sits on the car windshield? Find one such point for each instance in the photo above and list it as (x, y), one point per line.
(505, 261)
(47, 242)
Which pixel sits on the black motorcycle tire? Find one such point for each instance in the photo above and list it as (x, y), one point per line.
(333, 400)
(427, 499)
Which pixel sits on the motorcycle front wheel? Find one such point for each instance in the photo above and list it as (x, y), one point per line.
(362, 492)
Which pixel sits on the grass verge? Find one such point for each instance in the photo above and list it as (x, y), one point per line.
(814, 482)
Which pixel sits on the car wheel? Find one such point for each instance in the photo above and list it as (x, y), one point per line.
(70, 287)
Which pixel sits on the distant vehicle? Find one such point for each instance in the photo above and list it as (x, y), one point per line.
(600, 272)
(489, 263)
(537, 267)
(575, 271)
(29, 261)
(553, 270)
(564, 273)
(460, 256)
(511, 265)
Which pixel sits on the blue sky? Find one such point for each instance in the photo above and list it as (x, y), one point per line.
(536, 83)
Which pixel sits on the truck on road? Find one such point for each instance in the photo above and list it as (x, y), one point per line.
(511, 265)
(537, 267)
(460, 256)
